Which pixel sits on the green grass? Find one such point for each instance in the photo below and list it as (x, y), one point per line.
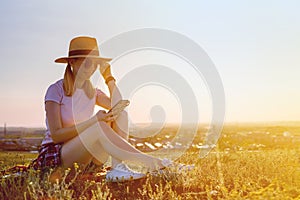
(236, 169)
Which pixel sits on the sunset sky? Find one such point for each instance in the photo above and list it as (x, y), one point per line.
(255, 46)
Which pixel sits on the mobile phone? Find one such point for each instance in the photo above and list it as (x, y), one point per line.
(119, 107)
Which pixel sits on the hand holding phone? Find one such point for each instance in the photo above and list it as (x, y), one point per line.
(119, 107)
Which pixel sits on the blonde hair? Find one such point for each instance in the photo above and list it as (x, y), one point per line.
(69, 83)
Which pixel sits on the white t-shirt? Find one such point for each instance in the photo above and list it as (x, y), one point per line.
(73, 109)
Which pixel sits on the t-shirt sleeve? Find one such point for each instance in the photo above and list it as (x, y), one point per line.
(54, 93)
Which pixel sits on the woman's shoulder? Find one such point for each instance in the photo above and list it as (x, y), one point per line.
(55, 92)
(59, 82)
(56, 86)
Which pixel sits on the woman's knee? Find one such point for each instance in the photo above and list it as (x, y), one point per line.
(123, 114)
(122, 120)
(67, 152)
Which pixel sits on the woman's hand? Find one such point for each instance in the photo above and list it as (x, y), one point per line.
(105, 70)
(106, 117)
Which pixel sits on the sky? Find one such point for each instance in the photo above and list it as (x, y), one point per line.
(254, 45)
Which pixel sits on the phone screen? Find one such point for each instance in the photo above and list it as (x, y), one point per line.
(119, 107)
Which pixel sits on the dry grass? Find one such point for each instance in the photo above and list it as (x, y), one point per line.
(250, 162)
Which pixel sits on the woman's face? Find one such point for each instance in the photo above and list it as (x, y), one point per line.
(84, 68)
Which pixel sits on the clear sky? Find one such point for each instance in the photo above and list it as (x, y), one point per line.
(255, 46)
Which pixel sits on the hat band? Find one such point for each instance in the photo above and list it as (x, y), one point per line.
(84, 52)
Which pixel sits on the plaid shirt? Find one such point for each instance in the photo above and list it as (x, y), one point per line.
(49, 156)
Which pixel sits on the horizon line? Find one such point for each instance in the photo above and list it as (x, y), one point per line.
(177, 123)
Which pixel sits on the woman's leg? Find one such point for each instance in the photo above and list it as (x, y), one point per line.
(77, 151)
(98, 140)
(120, 125)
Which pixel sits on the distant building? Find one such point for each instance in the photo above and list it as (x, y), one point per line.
(4, 131)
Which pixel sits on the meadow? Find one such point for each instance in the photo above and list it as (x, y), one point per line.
(250, 161)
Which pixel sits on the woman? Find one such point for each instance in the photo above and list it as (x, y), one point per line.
(73, 133)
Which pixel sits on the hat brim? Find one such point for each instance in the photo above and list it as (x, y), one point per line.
(65, 59)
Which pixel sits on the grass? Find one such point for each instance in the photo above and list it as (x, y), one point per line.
(249, 162)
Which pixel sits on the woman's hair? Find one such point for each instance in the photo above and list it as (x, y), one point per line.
(69, 83)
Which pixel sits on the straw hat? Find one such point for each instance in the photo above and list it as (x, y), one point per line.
(83, 47)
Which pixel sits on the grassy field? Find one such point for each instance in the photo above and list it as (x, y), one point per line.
(251, 161)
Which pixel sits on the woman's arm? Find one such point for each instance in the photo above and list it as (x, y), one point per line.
(114, 91)
(103, 100)
(60, 134)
